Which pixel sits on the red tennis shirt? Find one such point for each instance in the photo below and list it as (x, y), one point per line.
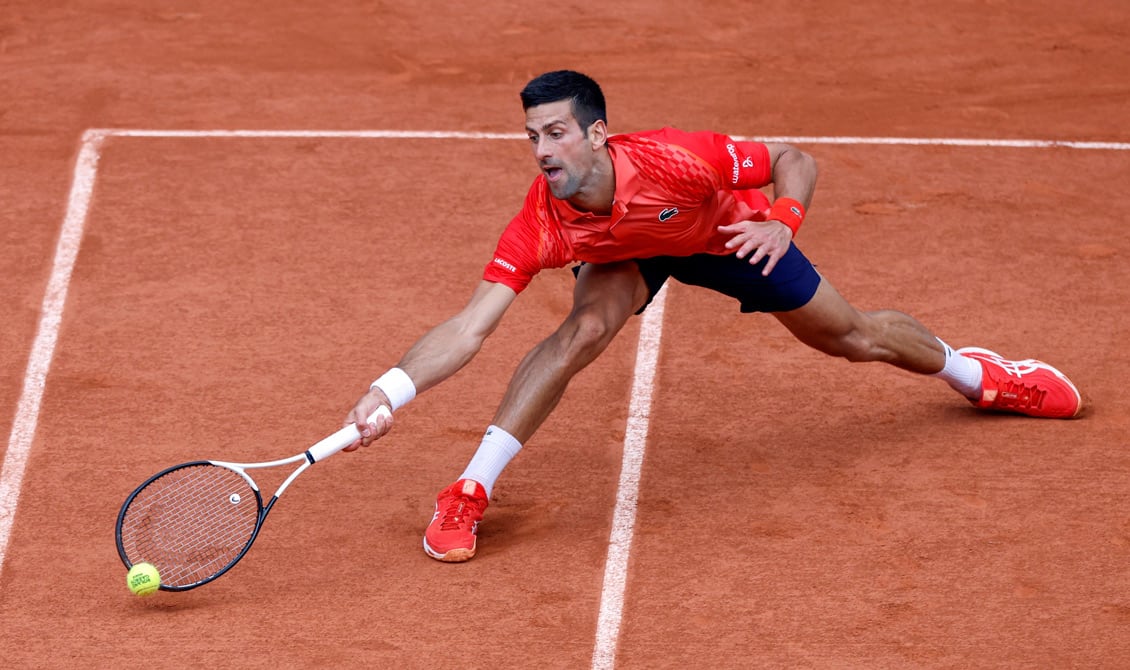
(673, 190)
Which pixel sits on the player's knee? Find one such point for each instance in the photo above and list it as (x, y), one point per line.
(870, 339)
(588, 332)
(854, 346)
(858, 348)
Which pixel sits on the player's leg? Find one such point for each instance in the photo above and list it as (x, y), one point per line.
(604, 297)
(819, 316)
(830, 324)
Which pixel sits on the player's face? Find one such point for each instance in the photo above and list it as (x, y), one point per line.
(564, 152)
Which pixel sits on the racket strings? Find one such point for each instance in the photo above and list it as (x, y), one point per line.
(191, 523)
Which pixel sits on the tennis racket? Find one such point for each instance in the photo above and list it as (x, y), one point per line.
(196, 520)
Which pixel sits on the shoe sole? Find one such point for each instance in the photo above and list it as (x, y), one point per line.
(978, 352)
(453, 556)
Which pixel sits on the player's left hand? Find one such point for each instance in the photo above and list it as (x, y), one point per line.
(758, 240)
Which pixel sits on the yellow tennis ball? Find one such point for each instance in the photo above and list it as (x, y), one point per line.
(143, 579)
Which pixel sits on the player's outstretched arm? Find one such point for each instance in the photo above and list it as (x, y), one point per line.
(440, 353)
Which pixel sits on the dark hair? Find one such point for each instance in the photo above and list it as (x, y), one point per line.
(585, 94)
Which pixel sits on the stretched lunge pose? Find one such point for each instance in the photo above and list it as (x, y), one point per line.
(636, 209)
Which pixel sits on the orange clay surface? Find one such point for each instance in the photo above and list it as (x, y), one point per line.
(232, 297)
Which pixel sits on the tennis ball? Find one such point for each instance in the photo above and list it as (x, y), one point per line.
(143, 579)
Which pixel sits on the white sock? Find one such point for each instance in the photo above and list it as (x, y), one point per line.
(495, 451)
(961, 373)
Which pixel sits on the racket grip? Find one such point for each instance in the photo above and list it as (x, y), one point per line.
(329, 446)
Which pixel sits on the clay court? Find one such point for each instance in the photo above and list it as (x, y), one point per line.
(221, 222)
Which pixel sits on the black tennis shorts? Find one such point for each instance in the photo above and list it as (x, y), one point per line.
(790, 285)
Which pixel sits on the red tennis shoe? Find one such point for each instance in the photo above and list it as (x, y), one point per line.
(1028, 387)
(450, 536)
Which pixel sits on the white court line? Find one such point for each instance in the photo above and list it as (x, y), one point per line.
(627, 492)
(85, 172)
(43, 348)
(460, 135)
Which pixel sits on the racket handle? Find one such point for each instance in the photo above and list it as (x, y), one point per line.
(343, 438)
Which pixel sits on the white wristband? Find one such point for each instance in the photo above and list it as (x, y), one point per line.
(397, 385)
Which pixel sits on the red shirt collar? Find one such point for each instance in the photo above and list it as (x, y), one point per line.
(627, 186)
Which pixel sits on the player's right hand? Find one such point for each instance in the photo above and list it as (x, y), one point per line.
(371, 431)
(758, 239)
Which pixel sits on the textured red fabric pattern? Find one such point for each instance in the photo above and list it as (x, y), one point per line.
(673, 190)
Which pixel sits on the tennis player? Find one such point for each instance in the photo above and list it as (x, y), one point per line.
(636, 209)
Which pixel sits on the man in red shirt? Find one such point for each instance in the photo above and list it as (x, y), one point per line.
(636, 209)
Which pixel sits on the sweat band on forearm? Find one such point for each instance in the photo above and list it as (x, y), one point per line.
(789, 212)
(397, 385)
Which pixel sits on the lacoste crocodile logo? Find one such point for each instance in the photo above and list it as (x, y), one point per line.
(668, 214)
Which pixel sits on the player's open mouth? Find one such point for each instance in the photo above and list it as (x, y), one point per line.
(553, 173)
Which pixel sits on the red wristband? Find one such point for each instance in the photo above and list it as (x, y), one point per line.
(789, 212)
